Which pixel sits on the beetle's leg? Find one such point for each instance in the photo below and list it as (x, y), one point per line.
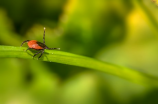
(27, 49)
(41, 54)
(54, 48)
(24, 42)
(36, 54)
(44, 36)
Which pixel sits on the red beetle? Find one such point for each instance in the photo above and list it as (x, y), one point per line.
(33, 44)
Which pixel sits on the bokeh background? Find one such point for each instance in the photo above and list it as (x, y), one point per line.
(122, 32)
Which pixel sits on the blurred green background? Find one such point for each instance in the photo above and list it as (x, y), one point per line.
(122, 32)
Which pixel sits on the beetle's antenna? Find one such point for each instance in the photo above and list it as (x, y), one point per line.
(24, 42)
(44, 35)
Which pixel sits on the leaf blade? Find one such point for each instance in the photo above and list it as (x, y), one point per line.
(81, 61)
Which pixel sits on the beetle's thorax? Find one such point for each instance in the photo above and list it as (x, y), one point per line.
(34, 44)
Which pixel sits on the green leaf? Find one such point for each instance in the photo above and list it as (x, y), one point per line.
(82, 61)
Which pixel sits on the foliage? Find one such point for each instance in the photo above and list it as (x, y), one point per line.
(118, 38)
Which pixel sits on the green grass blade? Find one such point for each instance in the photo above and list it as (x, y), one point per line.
(82, 61)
